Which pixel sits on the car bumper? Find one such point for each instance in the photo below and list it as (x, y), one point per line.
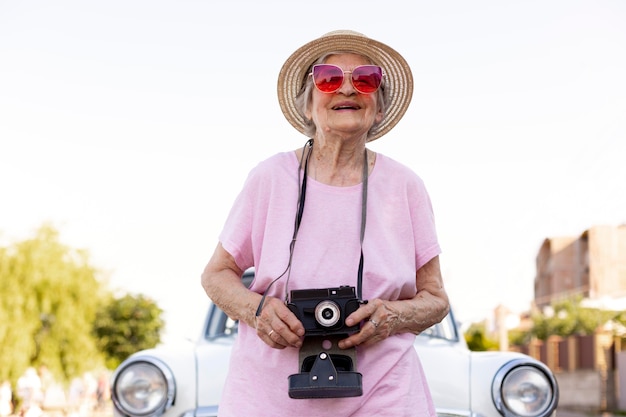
(212, 412)
(201, 412)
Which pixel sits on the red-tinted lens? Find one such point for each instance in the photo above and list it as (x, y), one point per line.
(327, 78)
(367, 78)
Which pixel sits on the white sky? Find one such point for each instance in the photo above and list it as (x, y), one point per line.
(131, 125)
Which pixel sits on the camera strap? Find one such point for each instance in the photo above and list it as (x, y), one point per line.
(299, 212)
(304, 163)
(304, 159)
(359, 283)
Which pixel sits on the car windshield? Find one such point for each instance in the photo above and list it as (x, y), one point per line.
(447, 330)
(220, 325)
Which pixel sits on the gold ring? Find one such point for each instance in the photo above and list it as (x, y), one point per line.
(270, 333)
(374, 322)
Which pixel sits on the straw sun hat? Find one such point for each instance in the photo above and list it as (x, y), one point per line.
(398, 78)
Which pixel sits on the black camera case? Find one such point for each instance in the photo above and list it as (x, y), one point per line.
(325, 370)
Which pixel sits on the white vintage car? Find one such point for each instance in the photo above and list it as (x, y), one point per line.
(187, 381)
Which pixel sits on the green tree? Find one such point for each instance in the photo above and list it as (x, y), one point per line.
(570, 317)
(127, 324)
(49, 295)
(519, 337)
(477, 339)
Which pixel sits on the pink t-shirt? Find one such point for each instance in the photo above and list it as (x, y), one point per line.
(400, 237)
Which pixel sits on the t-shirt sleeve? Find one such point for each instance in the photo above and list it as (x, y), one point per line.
(236, 235)
(423, 217)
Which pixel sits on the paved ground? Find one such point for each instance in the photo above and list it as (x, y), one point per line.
(109, 413)
(559, 413)
(575, 413)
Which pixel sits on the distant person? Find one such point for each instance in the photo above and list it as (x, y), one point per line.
(52, 391)
(75, 396)
(332, 214)
(6, 399)
(103, 393)
(29, 391)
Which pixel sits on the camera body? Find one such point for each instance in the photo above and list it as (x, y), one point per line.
(323, 311)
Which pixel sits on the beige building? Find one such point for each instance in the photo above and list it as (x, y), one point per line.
(592, 265)
(590, 369)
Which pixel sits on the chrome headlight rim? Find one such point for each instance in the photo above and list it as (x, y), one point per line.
(165, 372)
(517, 364)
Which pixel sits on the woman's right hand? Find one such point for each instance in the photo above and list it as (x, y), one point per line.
(278, 326)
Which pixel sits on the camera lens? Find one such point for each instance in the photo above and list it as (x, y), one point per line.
(327, 313)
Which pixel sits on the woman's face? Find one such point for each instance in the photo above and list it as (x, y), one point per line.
(346, 111)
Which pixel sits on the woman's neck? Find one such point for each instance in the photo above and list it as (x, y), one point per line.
(338, 164)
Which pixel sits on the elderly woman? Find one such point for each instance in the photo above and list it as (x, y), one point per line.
(334, 216)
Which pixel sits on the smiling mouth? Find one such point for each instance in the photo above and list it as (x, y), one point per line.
(346, 107)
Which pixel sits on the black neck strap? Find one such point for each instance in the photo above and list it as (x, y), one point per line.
(304, 163)
(363, 221)
(300, 211)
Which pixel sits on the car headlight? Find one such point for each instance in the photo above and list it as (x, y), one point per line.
(525, 388)
(143, 386)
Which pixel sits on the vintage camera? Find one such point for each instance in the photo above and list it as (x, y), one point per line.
(325, 370)
(324, 311)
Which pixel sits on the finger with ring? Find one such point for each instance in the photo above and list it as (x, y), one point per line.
(270, 333)
(375, 323)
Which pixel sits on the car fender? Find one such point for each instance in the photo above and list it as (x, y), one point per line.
(212, 361)
(486, 370)
(180, 361)
(447, 369)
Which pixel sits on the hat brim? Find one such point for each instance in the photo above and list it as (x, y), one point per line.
(398, 78)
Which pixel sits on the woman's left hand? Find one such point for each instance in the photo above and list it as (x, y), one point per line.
(383, 318)
(379, 320)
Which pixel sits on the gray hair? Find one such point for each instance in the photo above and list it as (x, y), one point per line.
(303, 99)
